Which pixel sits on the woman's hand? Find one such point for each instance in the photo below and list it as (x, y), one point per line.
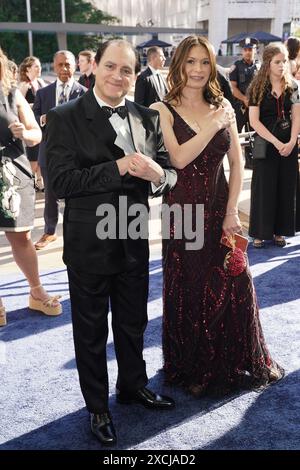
(18, 130)
(231, 224)
(278, 145)
(224, 117)
(286, 149)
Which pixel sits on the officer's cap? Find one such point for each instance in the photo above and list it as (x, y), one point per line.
(248, 43)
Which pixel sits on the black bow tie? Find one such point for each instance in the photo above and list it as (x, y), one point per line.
(121, 110)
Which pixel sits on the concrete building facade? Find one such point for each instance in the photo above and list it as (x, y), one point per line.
(220, 18)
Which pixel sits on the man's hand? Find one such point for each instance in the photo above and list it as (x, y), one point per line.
(246, 102)
(145, 168)
(123, 164)
(43, 120)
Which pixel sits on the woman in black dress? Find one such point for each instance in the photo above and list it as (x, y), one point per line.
(212, 337)
(17, 127)
(274, 110)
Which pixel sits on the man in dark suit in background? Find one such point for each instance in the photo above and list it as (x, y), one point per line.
(61, 91)
(151, 86)
(99, 148)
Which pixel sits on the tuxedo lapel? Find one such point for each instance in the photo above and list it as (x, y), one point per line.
(138, 132)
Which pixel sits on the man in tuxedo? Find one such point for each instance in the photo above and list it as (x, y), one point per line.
(151, 86)
(99, 148)
(61, 91)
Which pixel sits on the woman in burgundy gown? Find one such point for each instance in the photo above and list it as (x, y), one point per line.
(212, 337)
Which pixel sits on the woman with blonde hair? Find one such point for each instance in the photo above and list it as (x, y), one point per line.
(274, 110)
(30, 82)
(18, 127)
(212, 337)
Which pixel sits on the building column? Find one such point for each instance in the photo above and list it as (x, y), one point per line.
(278, 20)
(62, 41)
(218, 16)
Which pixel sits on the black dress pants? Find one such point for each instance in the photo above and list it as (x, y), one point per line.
(90, 295)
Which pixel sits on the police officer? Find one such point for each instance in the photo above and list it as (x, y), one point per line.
(240, 76)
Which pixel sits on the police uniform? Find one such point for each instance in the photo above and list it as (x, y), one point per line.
(242, 73)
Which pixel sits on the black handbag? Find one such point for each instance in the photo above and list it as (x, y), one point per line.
(259, 150)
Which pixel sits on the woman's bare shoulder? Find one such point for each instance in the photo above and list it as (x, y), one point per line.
(158, 106)
(226, 103)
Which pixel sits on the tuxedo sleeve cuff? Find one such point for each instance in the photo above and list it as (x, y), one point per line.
(111, 177)
(155, 189)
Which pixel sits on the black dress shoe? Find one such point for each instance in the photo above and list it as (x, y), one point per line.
(145, 397)
(103, 428)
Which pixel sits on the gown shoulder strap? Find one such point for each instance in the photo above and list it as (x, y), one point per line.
(170, 108)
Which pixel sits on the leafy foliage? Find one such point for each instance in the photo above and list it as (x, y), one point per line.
(15, 44)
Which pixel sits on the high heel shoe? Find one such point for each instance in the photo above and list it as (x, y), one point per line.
(258, 243)
(279, 241)
(50, 306)
(2, 316)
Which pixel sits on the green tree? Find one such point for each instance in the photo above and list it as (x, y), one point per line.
(77, 11)
(14, 44)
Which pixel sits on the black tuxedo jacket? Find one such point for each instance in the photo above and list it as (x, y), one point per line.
(81, 161)
(44, 101)
(146, 89)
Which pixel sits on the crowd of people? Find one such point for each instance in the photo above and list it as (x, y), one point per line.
(93, 146)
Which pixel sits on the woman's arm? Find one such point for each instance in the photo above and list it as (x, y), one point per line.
(23, 87)
(254, 113)
(182, 155)
(231, 223)
(26, 129)
(288, 147)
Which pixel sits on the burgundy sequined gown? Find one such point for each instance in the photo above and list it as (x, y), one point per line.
(212, 337)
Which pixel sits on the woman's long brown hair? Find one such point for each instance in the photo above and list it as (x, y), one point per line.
(261, 80)
(24, 66)
(177, 77)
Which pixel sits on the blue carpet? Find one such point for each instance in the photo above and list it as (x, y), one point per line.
(41, 403)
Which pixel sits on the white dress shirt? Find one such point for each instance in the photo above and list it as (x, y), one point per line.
(160, 81)
(122, 129)
(120, 126)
